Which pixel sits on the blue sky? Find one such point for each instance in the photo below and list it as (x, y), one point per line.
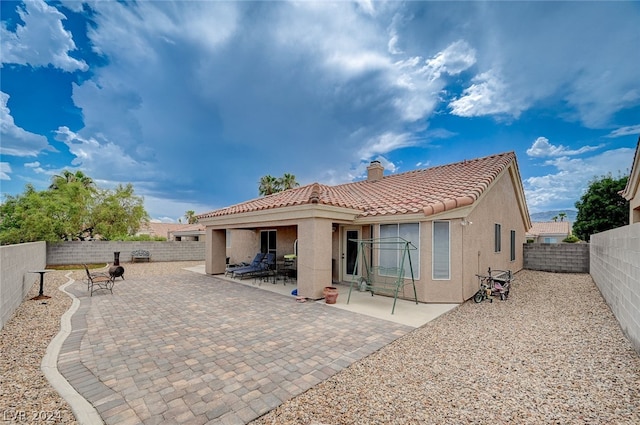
(193, 102)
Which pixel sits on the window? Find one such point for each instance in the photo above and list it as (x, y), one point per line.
(268, 241)
(228, 234)
(441, 251)
(393, 257)
(498, 236)
(513, 245)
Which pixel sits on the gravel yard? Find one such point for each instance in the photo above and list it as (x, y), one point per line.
(552, 353)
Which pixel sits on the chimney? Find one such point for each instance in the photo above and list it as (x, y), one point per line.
(375, 171)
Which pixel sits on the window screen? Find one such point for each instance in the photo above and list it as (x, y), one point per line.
(513, 245)
(441, 250)
(392, 256)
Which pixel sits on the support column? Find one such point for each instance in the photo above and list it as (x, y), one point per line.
(215, 251)
(314, 257)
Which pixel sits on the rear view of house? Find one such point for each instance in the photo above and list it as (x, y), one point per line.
(461, 218)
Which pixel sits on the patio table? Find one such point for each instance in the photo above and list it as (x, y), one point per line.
(41, 295)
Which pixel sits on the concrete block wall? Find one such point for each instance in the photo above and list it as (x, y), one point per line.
(102, 251)
(557, 257)
(15, 279)
(615, 268)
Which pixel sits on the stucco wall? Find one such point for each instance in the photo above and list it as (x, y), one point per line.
(102, 251)
(557, 257)
(615, 268)
(498, 206)
(15, 279)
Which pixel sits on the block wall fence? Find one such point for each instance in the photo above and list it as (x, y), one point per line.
(557, 257)
(102, 251)
(615, 268)
(15, 279)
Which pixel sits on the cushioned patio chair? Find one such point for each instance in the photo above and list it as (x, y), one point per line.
(242, 267)
(267, 264)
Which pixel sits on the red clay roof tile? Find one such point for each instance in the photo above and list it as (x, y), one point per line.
(432, 190)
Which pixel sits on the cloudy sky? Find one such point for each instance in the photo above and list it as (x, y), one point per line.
(194, 101)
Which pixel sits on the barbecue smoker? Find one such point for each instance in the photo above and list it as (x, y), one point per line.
(116, 270)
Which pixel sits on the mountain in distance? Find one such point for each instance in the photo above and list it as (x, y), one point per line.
(548, 215)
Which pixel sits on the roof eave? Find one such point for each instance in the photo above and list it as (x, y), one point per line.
(291, 214)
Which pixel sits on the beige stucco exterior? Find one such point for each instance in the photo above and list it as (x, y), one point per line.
(320, 230)
(632, 191)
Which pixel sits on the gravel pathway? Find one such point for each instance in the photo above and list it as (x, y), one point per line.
(552, 353)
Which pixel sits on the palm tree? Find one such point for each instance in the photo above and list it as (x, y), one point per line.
(191, 217)
(288, 181)
(554, 218)
(562, 216)
(68, 177)
(268, 185)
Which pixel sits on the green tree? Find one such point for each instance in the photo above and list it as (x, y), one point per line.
(67, 176)
(562, 215)
(118, 213)
(191, 217)
(288, 181)
(601, 208)
(268, 185)
(71, 207)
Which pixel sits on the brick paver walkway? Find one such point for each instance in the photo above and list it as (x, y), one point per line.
(187, 348)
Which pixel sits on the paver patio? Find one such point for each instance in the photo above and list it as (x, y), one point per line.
(187, 348)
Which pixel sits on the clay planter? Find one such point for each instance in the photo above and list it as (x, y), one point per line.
(330, 294)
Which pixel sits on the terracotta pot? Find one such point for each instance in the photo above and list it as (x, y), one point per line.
(326, 289)
(330, 294)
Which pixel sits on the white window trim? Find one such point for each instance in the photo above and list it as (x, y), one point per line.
(433, 249)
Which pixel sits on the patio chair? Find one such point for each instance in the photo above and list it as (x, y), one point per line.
(267, 264)
(240, 268)
(97, 281)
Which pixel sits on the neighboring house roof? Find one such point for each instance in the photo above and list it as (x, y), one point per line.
(429, 191)
(631, 189)
(165, 229)
(550, 228)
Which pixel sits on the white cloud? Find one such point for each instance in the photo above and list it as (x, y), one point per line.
(457, 57)
(15, 140)
(421, 82)
(386, 143)
(625, 131)
(104, 160)
(5, 170)
(41, 41)
(488, 95)
(566, 185)
(542, 148)
(167, 210)
(36, 167)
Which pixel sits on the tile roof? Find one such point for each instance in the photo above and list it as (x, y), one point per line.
(429, 191)
(550, 228)
(163, 229)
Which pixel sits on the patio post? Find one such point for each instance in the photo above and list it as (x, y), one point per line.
(314, 256)
(215, 251)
